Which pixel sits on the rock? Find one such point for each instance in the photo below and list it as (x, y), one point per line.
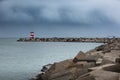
(46, 67)
(86, 77)
(104, 75)
(38, 77)
(100, 67)
(71, 73)
(79, 56)
(100, 48)
(105, 48)
(101, 73)
(57, 67)
(66, 70)
(101, 63)
(112, 68)
(68, 74)
(117, 60)
(32, 79)
(62, 65)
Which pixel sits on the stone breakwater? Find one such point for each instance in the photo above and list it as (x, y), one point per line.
(55, 39)
(101, 63)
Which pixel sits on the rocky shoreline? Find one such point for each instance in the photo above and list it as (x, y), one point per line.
(101, 63)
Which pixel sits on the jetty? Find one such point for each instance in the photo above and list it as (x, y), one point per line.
(81, 39)
(71, 39)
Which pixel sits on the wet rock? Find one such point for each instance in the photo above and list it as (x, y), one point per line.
(100, 48)
(104, 48)
(46, 67)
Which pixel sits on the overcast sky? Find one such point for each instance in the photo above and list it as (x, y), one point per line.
(60, 18)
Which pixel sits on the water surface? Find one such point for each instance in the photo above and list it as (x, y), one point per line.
(23, 60)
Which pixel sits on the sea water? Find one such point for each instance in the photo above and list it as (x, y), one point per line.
(23, 60)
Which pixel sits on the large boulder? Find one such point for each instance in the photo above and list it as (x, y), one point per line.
(79, 56)
(67, 70)
(72, 72)
(104, 72)
(57, 67)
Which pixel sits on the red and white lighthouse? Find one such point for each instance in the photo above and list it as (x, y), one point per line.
(32, 36)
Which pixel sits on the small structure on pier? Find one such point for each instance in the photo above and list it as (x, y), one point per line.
(32, 36)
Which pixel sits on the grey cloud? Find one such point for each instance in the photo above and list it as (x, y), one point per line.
(60, 11)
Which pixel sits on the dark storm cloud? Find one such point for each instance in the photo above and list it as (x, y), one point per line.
(59, 11)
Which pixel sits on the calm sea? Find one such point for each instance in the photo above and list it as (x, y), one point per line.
(23, 60)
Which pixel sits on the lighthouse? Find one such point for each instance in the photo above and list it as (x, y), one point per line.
(32, 36)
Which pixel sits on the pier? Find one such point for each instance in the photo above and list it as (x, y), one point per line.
(55, 39)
